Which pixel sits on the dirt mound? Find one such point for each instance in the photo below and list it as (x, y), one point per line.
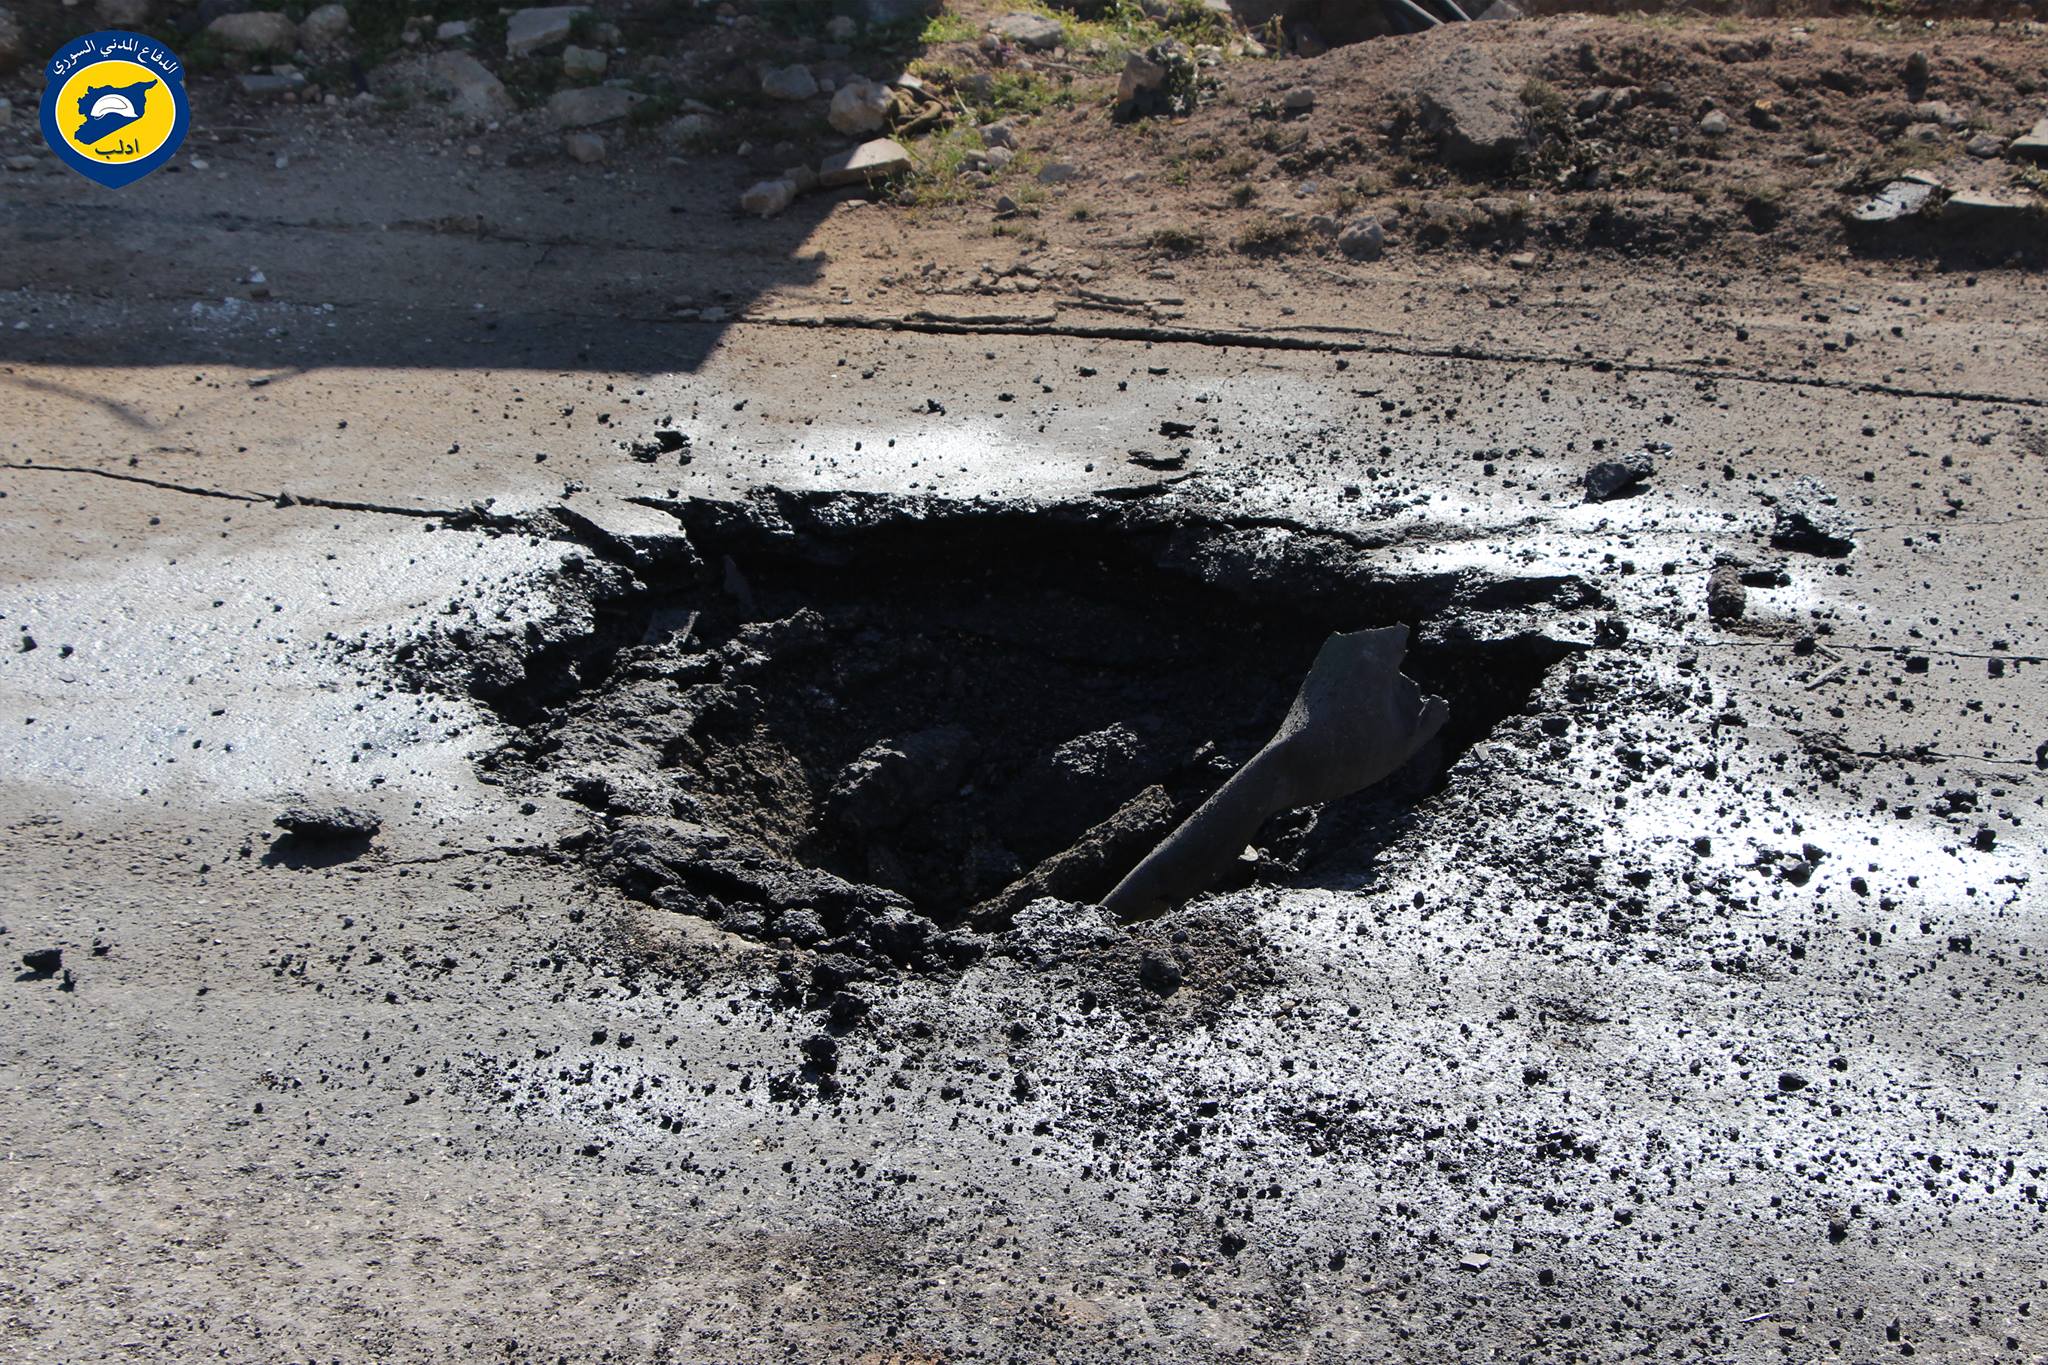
(1639, 136)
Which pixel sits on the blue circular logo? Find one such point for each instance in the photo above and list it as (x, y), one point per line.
(114, 106)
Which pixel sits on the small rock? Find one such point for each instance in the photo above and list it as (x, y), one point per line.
(841, 28)
(859, 106)
(1299, 100)
(1810, 530)
(868, 162)
(766, 198)
(254, 31)
(273, 85)
(1159, 972)
(583, 63)
(687, 131)
(536, 30)
(453, 31)
(328, 822)
(1609, 479)
(999, 158)
(10, 40)
(1714, 123)
(1032, 32)
(1363, 239)
(1985, 146)
(587, 148)
(1926, 134)
(1474, 1261)
(821, 1050)
(588, 106)
(1975, 209)
(793, 82)
(1001, 133)
(1140, 75)
(901, 935)
(1058, 173)
(1789, 1081)
(1006, 207)
(456, 81)
(122, 13)
(1726, 597)
(324, 28)
(2031, 146)
(1900, 199)
(44, 961)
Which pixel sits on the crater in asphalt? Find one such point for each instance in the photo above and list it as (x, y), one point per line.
(888, 723)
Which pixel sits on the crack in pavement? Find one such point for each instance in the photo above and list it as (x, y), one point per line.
(939, 325)
(457, 518)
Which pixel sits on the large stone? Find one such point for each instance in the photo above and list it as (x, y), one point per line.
(254, 31)
(859, 106)
(793, 82)
(1474, 108)
(1032, 32)
(868, 162)
(766, 198)
(536, 30)
(2032, 147)
(592, 105)
(456, 79)
(324, 29)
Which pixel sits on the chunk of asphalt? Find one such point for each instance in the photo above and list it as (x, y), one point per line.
(330, 823)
